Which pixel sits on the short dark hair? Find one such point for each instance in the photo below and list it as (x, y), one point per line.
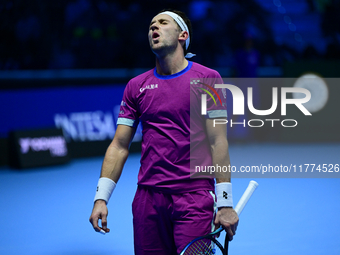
(187, 22)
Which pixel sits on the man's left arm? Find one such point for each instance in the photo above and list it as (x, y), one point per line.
(226, 215)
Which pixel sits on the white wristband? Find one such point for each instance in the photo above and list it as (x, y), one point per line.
(105, 188)
(224, 194)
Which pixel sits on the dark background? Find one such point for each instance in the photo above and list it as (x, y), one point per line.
(87, 34)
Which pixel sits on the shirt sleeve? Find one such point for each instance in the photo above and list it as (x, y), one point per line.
(216, 102)
(128, 113)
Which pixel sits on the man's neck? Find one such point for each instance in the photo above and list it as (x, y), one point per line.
(171, 64)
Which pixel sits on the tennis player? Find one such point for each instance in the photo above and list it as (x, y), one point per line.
(170, 208)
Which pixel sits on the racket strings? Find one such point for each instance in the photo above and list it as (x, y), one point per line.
(202, 247)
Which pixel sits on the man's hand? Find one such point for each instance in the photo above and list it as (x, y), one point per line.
(99, 212)
(228, 218)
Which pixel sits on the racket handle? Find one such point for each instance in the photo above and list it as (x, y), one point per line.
(246, 196)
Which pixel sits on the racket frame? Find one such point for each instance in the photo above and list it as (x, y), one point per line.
(210, 236)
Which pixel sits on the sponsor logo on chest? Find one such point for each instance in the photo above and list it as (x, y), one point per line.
(150, 86)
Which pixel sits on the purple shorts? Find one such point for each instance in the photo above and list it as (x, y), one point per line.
(165, 223)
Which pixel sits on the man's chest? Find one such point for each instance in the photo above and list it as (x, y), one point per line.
(161, 101)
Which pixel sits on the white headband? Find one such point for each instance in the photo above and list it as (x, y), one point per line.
(183, 26)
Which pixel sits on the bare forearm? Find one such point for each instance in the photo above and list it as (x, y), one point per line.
(114, 161)
(220, 156)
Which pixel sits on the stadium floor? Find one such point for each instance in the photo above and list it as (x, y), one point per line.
(45, 211)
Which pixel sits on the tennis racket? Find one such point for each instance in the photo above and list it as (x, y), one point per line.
(208, 245)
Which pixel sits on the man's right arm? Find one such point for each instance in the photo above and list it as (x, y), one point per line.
(117, 153)
(112, 168)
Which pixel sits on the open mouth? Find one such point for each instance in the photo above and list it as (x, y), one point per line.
(155, 35)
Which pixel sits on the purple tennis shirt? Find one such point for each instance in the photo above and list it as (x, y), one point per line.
(163, 104)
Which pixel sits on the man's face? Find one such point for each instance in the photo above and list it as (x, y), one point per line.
(163, 33)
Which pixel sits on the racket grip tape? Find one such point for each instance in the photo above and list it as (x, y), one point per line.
(246, 196)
